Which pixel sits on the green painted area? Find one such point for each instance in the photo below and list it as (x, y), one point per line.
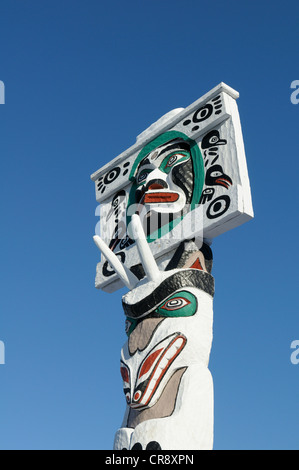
(180, 304)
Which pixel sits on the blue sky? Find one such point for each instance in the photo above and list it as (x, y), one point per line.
(82, 79)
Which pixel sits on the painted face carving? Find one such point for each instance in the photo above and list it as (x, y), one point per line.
(180, 304)
(165, 291)
(167, 179)
(161, 195)
(156, 186)
(169, 325)
(148, 365)
(151, 371)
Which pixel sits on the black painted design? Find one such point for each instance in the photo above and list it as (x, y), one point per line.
(111, 176)
(125, 242)
(205, 112)
(186, 278)
(182, 253)
(118, 203)
(217, 104)
(185, 250)
(215, 176)
(120, 240)
(207, 195)
(109, 272)
(183, 177)
(211, 139)
(211, 152)
(218, 207)
(153, 445)
(137, 446)
(126, 168)
(100, 185)
(215, 159)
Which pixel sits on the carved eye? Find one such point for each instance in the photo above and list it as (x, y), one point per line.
(213, 139)
(172, 160)
(137, 395)
(128, 398)
(125, 373)
(176, 303)
(142, 177)
(215, 174)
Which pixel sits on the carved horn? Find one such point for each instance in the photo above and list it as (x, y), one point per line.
(147, 259)
(128, 278)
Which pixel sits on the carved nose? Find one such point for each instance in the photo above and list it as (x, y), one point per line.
(156, 184)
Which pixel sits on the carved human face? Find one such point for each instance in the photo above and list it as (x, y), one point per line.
(165, 320)
(163, 184)
(157, 184)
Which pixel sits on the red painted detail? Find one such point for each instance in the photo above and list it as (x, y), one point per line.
(124, 374)
(223, 182)
(162, 373)
(155, 186)
(197, 265)
(160, 197)
(175, 307)
(149, 362)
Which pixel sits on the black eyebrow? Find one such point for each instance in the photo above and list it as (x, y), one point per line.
(185, 278)
(145, 161)
(172, 146)
(176, 146)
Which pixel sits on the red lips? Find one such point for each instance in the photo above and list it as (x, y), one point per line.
(156, 197)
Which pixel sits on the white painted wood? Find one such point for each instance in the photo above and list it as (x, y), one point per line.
(124, 274)
(146, 257)
(223, 209)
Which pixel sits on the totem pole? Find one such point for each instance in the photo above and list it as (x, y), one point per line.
(163, 201)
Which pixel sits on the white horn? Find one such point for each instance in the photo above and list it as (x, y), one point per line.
(124, 273)
(147, 259)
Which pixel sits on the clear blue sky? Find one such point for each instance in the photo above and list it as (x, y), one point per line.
(82, 79)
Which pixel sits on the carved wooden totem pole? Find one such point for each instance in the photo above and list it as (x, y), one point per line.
(163, 201)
